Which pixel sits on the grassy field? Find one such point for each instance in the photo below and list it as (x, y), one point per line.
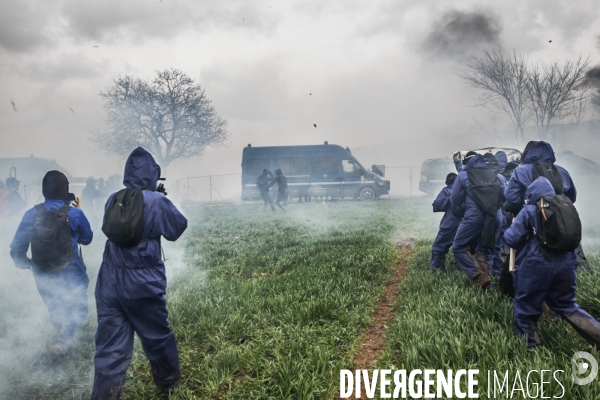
(272, 306)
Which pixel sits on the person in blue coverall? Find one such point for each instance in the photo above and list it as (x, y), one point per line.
(448, 225)
(472, 224)
(64, 291)
(539, 278)
(522, 176)
(130, 291)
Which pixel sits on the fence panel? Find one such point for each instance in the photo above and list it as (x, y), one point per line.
(404, 181)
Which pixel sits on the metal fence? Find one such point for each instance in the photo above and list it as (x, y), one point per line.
(227, 187)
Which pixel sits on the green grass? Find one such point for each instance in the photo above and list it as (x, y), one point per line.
(442, 323)
(297, 289)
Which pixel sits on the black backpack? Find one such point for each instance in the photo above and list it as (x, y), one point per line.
(124, 218)
(559, 223)
(51, 248)
(550, 172)
(485, 188)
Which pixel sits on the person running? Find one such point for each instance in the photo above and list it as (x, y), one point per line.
(282, 190)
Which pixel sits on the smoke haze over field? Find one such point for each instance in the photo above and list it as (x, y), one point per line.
(366, 73)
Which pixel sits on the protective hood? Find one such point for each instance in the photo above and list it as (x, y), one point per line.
(477, 161)
(541, 151)
(141, 171)
(55, 186)
(539, 188)
(502, 159)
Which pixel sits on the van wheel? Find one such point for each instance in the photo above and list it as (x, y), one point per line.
(367, 194)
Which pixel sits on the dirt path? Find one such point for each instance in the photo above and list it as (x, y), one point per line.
(373, 340)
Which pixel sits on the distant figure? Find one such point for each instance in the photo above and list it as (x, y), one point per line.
(131, 285)
(55, 230)
(4, 212)
(282, 189)
(16, 205)
(263, 184)
(88, 194)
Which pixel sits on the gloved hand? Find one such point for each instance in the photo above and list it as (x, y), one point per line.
(456, 156)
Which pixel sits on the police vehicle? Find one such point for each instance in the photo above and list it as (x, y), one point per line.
(313, 171)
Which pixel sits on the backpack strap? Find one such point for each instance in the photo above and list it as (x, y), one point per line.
(40, 207)
(65, 208)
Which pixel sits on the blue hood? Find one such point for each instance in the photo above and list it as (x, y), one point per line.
(502, 159)
(542, 151)
(539, 188)
(141, 171)
(476, 161)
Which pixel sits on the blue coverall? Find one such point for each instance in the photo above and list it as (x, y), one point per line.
(130, 291)
(471, 226)
(522, 176)
(65, 291)
(538, 279)
(448, 226)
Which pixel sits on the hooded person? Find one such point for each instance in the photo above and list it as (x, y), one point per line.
(502, 160)
(63, 290)
(539, 152)
(523, 176)
(448, 225)
(131, 287)
(477, 224)
(544, 275)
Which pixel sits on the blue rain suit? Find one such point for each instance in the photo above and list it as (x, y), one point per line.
(130, 291)
(538, 279)
(65, 291)
(448, 226)
(522, 176)
(472, 223)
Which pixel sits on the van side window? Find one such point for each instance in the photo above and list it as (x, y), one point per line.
(254, 167)
(349, 166)
(292, 166)
(324, 165)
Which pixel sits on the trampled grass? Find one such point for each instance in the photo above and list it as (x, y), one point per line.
(444, 324)
(267, 306)
(272, 306)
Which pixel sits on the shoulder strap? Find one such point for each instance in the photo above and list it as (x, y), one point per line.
(40, 207)
(65, 208)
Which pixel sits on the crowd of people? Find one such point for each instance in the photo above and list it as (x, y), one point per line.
(493, 208)
(131, 284)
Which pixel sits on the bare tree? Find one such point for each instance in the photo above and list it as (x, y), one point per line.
(551, 89)
(503, 79)
(579, 106)
(169, 115)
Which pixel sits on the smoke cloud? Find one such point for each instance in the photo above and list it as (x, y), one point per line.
(458, 34)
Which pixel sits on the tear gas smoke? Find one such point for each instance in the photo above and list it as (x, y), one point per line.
(458, 33)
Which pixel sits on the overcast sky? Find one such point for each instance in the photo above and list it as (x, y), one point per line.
(366, 72)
